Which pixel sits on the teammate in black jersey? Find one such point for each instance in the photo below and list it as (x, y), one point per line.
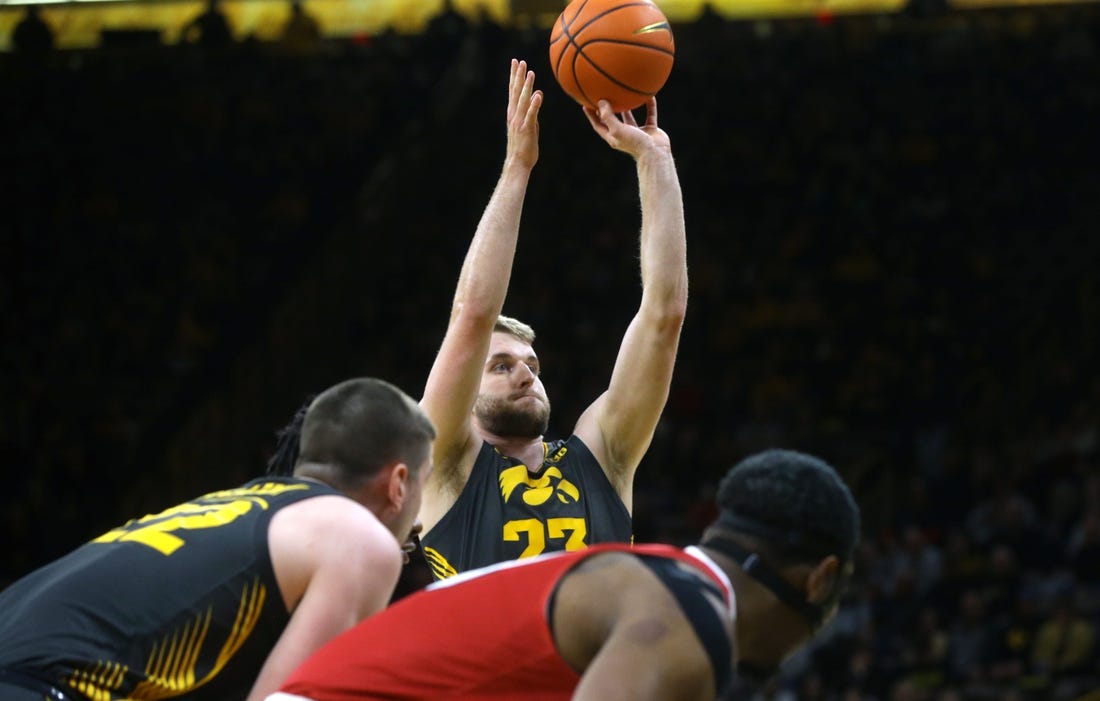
(222, 596)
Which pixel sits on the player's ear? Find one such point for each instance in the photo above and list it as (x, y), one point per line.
(823, 581)
(397, 485)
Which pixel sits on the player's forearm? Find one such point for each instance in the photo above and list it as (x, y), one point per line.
(487, 270)
(663, 237)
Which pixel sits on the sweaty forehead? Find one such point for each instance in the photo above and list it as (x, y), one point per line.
(505, 344)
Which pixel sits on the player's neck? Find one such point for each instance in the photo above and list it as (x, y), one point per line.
(529, 451)
(764, 623)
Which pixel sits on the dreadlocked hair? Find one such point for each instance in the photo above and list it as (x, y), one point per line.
(288, 442)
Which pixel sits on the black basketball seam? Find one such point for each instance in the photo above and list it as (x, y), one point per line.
(565, 34)
(565, 27)
(606, 75)
(570, 35)
(579, 53)
(602, 14)
(623, 42)
(573, 67)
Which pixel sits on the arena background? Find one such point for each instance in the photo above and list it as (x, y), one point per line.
(892, 215)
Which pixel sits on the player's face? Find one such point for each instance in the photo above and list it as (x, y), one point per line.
(512, 401)
(413, 542)
(407, 525)
(764, 668)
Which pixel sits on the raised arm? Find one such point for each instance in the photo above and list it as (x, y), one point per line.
(455, 377)
(619, 425)
(329, 582)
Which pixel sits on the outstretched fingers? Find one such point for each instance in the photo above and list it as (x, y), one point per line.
(607, 116)
(621, 129)
(595, 120)
(512, 86)
(523, 89)
(524, 102)
(528, 100)
(651, 112)
(532, 116)
(519, 79)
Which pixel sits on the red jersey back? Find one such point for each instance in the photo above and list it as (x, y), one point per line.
(480, 636)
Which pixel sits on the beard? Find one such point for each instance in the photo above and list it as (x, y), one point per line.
(503, 418)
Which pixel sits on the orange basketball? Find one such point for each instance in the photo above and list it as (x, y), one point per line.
(615, 50)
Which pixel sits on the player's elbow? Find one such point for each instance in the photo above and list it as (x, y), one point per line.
(676, 308)
(667, 316)
(469, 314)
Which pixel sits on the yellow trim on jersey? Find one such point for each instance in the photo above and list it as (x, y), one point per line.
(440, 567)
(170, 668)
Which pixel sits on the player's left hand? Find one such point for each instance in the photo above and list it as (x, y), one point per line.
(622, 131)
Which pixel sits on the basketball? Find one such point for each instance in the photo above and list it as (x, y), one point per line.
(615, 50)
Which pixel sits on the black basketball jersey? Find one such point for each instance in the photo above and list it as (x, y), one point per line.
(507, 512)
(180, 604)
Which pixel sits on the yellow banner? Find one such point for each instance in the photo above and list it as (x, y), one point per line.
(79, 24)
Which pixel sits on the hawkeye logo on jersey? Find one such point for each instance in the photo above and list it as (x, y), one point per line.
(538, 490)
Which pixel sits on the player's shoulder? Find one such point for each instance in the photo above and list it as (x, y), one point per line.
(325, 503)
(652, 590)
(330, 541)
(616, 563)
(574, 448)
(649, 568)
(334, 517)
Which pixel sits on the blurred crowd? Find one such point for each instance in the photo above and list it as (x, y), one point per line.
(892, 265)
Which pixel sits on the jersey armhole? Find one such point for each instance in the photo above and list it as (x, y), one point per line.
(690, 593)
(606, 481)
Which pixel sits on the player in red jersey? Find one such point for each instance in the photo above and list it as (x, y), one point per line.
(615, 621)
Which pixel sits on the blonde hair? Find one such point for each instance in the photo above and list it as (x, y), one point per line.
(515, 327)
